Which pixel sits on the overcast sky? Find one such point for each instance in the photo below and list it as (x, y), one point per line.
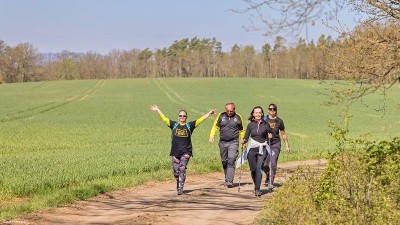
(103, 25)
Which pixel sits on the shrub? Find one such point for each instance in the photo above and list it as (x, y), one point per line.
(360, 185)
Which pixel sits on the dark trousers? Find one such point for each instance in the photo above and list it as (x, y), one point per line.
(270, 169)
(255, 163)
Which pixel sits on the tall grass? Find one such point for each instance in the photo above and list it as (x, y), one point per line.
(67, 140)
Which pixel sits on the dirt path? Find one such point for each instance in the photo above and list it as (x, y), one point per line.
(206, 201)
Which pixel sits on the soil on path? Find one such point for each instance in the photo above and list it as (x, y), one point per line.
(206, 201)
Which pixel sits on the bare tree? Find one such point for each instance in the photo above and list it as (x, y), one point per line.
(368, 55)
(17, 63)
(288, 16)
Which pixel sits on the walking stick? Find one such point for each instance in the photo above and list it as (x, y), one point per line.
(240, 169)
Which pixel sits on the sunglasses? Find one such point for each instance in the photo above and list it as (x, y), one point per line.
(184, 116)
(272, 109)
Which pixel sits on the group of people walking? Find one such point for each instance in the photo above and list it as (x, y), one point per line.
(262, 133)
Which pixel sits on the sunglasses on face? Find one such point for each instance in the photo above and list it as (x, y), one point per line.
(272, 109)
(182, 116)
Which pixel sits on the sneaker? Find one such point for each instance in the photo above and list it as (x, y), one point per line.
(257, 193)
(180, 191)
(229, 184)
(270, 186)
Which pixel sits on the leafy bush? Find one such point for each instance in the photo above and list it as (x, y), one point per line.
(360, 185)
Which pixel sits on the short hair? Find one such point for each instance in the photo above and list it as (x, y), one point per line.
(230, 103)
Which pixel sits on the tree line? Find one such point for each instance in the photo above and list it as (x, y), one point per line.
(352, 56)
(193, 57)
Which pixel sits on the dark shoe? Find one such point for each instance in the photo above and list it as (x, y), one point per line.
(257, 193)
(180, 191)
(266, 181)
(229, 184)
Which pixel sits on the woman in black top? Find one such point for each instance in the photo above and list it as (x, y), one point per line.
(271, 161)
(258, 129)
(181, 143)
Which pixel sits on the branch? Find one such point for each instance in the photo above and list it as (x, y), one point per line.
(288, 16)
(390, 7)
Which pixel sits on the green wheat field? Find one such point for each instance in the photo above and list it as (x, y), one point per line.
(67, 140)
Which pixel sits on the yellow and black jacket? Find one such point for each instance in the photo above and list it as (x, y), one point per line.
(231, 128)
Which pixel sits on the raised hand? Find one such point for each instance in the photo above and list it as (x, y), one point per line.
(154, 107)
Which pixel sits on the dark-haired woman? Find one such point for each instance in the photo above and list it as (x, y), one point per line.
(258, 129)
(181, 147)
(271, 161)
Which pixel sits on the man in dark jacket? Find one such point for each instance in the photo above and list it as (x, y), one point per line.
(231, 129)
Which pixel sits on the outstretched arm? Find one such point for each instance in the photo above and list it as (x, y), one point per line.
(155, 108)
(210, 113)
(163, 118)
